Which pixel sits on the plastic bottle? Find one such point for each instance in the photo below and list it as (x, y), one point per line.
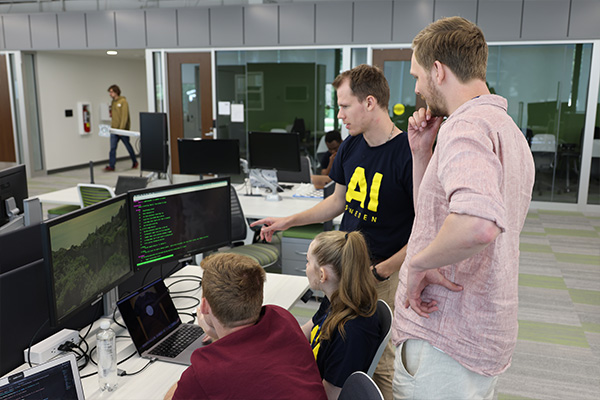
(107, 357)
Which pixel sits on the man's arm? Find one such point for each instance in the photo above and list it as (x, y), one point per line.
(323, 211)
(124, 113)
(392, 265)
(422, 131)
(460, 237)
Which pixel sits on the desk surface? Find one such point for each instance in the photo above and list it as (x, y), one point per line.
(254, 207)
(157, 378)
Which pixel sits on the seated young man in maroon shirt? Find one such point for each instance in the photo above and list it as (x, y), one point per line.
(259, 352)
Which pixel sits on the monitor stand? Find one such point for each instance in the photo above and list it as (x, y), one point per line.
(258, 175)
(109, 300)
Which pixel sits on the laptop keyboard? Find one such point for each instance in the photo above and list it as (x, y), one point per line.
(176, 343)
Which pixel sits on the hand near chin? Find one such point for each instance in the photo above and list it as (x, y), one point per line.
(422, 130)
(417, 281)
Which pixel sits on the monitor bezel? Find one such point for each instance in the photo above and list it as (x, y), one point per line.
(233, 146)
(182, 257)
(293, 139)
(63, 320)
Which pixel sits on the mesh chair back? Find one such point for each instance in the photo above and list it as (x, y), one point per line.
(297, 177)
(92, 193)
(238, 221)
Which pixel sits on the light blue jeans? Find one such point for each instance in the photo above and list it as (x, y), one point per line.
(423, 372)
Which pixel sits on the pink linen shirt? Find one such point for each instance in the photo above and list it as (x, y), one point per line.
(482, 166)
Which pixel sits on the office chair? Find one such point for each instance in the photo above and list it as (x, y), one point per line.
(360, 386)
(93, 193)
(543, 148)
(297, 177)
(385, 317)
(266, 254)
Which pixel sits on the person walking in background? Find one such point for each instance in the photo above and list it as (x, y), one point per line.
(119, 120)
(455, 322)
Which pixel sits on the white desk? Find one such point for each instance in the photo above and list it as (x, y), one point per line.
(157, 378)
(64, 196)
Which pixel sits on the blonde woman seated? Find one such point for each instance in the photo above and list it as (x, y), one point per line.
(344, 332)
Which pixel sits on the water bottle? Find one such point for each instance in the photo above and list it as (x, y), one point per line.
(107, 357)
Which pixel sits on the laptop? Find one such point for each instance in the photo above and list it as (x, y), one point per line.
(56, 379)
(126, 183)
(155, 327)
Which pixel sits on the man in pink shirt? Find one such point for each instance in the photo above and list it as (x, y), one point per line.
(455, 322)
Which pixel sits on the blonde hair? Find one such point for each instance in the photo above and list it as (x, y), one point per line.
(356, 296)
(456, 43)
(233, 286)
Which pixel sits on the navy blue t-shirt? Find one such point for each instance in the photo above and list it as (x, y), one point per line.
(339, 357)
(379, 192)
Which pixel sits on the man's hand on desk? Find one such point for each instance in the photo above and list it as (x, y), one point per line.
(270, 226)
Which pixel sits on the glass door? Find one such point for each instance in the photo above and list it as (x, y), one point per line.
(396, 68)
(190, 99)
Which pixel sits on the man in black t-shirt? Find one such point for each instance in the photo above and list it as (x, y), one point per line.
(373, 174)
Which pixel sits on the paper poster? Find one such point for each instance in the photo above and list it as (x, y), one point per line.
(237, 113)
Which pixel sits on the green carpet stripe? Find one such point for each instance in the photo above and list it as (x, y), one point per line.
(541, 281)
(504, 396)
(535, 248)
(302, 312)
(571, 232)
(580, 296)
(552, 333)
(533, 215)
(589, 327)
(564, 213)
(577, 258)
(597, 228)
(534, 234)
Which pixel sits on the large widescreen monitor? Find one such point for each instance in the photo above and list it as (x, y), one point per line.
(173, 223)
(206, 156)
(274, 150)
(13, 183)
(87, 254)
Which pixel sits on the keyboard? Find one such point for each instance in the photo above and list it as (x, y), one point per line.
(178, 341)
(307, 190)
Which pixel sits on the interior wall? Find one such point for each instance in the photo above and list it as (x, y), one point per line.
(64, 80)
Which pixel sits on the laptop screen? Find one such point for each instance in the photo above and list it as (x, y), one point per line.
(149, 314)
(56, 379)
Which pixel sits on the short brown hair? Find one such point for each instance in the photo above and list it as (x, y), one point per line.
(233, 286)
(456, 43)
(366, 80)
(115, 89)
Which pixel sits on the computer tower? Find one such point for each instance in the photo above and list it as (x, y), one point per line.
(154, 142)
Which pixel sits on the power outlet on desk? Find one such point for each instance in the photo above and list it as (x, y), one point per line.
(48, 348)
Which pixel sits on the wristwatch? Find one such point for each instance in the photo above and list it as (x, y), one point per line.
(377, 276)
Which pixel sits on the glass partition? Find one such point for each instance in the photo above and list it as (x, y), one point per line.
(594, 187)
(546, 88)
(279, 90)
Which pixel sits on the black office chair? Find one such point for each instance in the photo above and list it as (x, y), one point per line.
(297, 177)
(360, 386)
(385, 317)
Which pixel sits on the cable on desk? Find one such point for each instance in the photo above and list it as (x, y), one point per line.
(114, 315)
(31, 342)
(187, 297)
(124, 373)
(193, 315)
(185, 280)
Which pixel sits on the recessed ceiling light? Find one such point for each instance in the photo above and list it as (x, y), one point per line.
(112, 53)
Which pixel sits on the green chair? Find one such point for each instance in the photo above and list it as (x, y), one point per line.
(266, 254)
(90, 193)
(61, 210)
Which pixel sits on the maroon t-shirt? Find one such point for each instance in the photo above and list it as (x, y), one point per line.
(269, 360)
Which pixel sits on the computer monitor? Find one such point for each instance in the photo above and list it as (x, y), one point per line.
(206, 156)
(13, 183)
(274, 150)
(87, 254)
(173, 223)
